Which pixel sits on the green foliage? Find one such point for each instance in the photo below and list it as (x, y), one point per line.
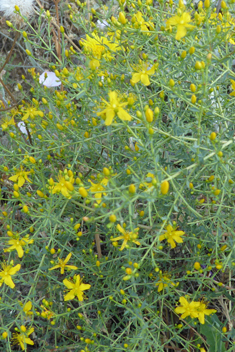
(117, 187)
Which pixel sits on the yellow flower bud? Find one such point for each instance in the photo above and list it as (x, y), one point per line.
(4, 335)
(149, 115)
(193, 88)
(132, 189)
(165, 187)
(193, 99)
(69, 186)
(197, 266)
(198, 65)
(40, 193)
(83, 192)
(9, 24)
(212, 136)
(121, 18)
(128, 271)
(32, 160)
(106, 171)
(223, 5)
(171, 82)
(25, 209)
(218, 29)
(192, 50)
(112, 218)
(207, 4)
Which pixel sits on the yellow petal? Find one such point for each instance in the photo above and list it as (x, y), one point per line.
(71, 267)
(173, 21)
(67, 258)
(13, 178)
(84, 287)
(145, 79)
(181, 32)
(151, 71)
(69, 296)
(19, 251)
(121, 229)
(27, 306)
(68, 284)
(123, 115)
(136, 77)
(123, 245)
(14, 270)
(8, 281)
(54, 267)
(21, 181)
(109, 116)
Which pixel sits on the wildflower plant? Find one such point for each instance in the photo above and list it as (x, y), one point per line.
(117, 197)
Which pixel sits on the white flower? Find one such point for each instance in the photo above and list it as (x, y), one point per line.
(50, 80)
(102, 24)
(8, 7)
(22, 127)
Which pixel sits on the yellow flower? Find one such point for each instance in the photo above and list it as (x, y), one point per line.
(6, 274)
(148, 184)
(21, 176)
(187, 309)
(127, 237)
(31, 112)
(22, 339)
(65, 184)
(27, 308)
(63, 264)
(182, 22)
(202, 311)
(164, 281)
(140, 22)
(47, 313)
(172, 236)
(76, 289)
(114, 106)
(99, 47)
(98, 189)
(143, 74)
(7, 122)
(18, 244)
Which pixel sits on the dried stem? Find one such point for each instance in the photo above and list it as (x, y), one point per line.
(58, 46)
(97, 241)
(11, 51)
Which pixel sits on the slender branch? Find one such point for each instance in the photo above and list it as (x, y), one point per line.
(5, 87)
(10, 53)
(58, 46)
(97, 241)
